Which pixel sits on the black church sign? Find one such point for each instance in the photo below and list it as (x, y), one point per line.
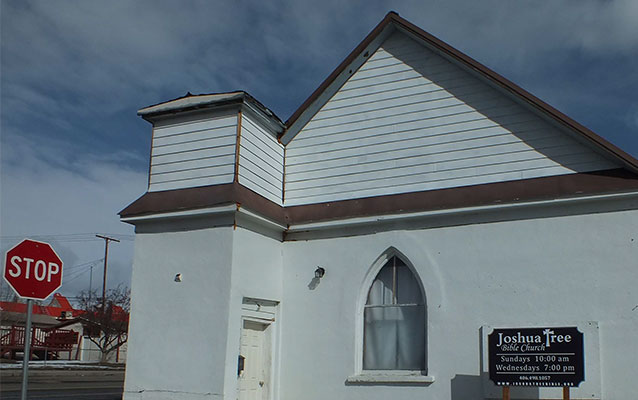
(536, 357)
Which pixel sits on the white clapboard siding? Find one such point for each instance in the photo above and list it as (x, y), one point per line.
(261, 160)
(191, 153)
(409, 120)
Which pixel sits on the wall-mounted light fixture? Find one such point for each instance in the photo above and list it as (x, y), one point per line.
(178, 278)
(320, 272)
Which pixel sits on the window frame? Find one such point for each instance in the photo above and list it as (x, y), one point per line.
(362, 376)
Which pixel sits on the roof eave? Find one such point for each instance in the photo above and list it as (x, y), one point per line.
(150, 115)
(161, 110)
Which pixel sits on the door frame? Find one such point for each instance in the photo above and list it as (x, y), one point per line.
(264, 312)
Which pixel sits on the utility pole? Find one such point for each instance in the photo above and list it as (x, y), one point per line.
(91, 284)
(106, 256)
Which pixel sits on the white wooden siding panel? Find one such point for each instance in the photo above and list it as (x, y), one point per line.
(433, 171)
(409, 120)
(398, 68)
(450, 126)
(411, 186)
(261, 161)
(274, 182)
(226, 159)
(259, 185)
(395, 97)
(208, 124)
(201, 155)
(256, 162)
(193, 153)
(365, 86)
(201, 139)
(462, 111)
(219, 170)
(382, 59)
(470, 157)
(394, 86)
(423, 145)
(265, 155)
(182, 184)
(219, 142)
(414, 105)
(445, 179)
(263, 137)
(452, 133)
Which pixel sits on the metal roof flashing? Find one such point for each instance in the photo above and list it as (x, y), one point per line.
(191, 102)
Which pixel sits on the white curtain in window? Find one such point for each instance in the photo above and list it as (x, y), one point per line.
(394, 331)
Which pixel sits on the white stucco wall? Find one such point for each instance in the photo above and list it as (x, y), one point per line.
(531, 270)
(257, 274)
(178, 330)
(551, 271)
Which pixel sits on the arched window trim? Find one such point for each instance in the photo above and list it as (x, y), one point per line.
(405, 376)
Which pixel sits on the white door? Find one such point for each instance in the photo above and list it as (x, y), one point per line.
(255, 350)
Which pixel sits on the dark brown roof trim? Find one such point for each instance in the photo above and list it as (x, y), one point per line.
(506, 84)
(203, 197)
(534, 189)
(525, 190)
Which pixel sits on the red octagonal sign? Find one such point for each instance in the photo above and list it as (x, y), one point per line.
(33, 269)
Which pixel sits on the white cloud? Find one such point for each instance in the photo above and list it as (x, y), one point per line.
(75, 65)
(118, 55)
(42, 196)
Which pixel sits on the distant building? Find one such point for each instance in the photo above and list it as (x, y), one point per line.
(51, 323)
(44, 320)
(364, 248)
(16, 312)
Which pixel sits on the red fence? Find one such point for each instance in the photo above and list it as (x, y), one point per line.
(44, 344)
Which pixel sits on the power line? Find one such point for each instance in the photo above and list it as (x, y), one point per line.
(92, 262)
(68, 237)
(75, 277)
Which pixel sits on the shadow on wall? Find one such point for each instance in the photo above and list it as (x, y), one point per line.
(507, 113)
(312, 285)
(470, 387)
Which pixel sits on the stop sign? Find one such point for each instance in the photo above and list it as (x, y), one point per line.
(33, 269)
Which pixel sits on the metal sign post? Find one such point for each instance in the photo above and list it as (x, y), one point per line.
(27, 351)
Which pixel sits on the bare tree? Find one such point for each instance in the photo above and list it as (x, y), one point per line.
(107, 328)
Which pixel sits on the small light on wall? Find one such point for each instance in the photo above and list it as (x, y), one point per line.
(320, 272)
(178, 278)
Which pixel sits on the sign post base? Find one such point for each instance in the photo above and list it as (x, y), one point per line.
(26, 355)
(565, 392)
(506, 393)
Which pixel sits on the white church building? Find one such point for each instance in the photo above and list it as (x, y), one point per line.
(365, 248)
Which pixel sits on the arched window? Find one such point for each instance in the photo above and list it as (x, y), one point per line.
(394, 320)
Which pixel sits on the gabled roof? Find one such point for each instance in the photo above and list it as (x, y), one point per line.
(58, 304)
(393, 21)
(581, 185)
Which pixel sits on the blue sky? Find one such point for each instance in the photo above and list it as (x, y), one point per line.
(74, 73)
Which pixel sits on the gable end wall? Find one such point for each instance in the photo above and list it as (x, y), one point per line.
(409, 120)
